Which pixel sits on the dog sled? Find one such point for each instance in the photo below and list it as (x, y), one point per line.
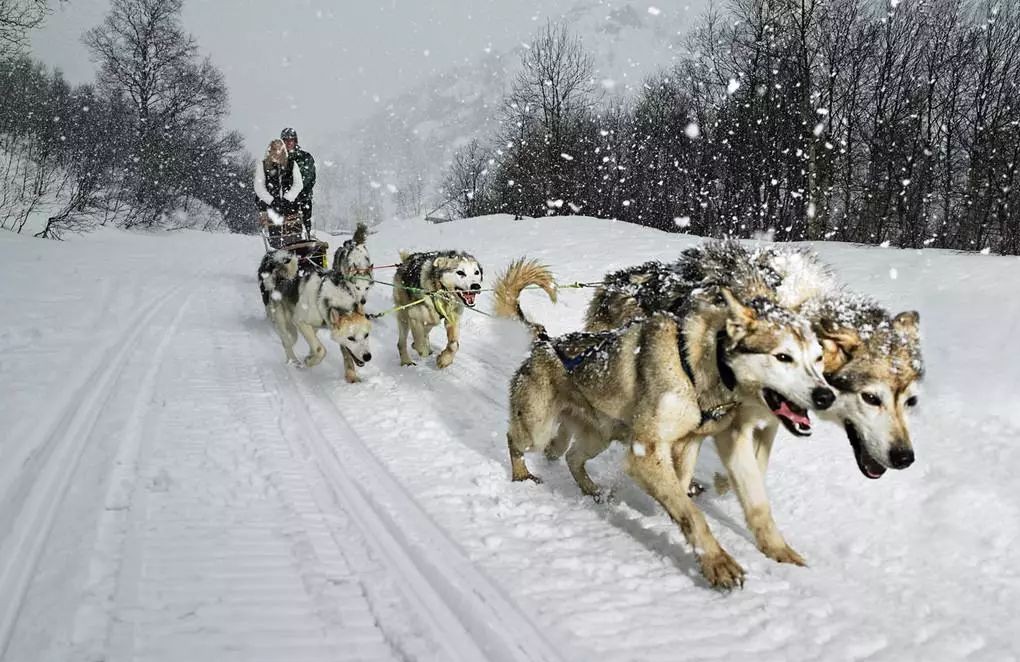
(288, 233)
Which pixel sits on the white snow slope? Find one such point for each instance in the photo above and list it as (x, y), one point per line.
(171, 490)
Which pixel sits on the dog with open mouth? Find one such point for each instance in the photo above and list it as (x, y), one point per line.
(659, 383)
(439, 284)
(302, 301)
(871, 358)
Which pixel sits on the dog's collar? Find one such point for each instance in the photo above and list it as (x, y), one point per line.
(726, 374)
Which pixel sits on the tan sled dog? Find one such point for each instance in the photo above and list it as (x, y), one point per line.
(871, 358)
(657, 383)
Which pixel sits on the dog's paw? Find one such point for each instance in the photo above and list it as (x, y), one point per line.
(315, 359)
(527, 475)
(695, 489)
(552, 454)
(722, 484)
(784, 554)
(407, 362)
(352, 377)
(293, 361)
(722, 571)
(444, 360)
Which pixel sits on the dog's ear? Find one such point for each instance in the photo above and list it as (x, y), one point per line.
(845, 338)
(443, 263)
(838, 343)
(335, 317)
(740, 316)
(908, 323)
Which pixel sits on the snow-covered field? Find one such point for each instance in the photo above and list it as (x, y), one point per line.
(170, 490)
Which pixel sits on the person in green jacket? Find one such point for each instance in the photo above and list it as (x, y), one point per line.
(306, 164)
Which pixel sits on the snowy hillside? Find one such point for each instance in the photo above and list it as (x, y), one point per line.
(170, 490)
(417, 132)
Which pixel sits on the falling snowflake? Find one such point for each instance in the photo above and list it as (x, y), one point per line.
(733, 86)
(893, 273)
(682, 221)
(654, 11)
(566, 157)
(692, 130)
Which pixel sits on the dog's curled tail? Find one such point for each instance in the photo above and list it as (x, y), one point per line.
(520, 274)
(360, 234)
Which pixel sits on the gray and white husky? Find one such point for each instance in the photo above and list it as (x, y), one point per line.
(443, 283)
(353, 262)
(303, 301)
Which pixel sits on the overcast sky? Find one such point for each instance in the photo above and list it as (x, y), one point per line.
(317, 65)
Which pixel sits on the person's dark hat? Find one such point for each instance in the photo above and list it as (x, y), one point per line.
(288, 134)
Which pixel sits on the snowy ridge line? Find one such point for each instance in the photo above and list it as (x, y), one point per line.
(476, 617)
(66, 439)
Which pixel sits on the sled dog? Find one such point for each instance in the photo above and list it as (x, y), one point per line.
(303, 301)
(443, 283)
(871, 359)
(353, 262)
(657, 383)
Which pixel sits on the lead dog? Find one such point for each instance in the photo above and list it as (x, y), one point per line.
(871, 358)
(657, 383)
(303, 301)
(442, 283)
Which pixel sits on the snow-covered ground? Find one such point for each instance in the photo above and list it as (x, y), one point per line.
(170, 490)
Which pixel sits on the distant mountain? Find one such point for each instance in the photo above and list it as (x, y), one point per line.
(377, 165)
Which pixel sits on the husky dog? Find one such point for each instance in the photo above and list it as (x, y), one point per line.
(443, 283)
(871, 358)
(300, 301)
(276, 269)
(659, 382)
(353, 262)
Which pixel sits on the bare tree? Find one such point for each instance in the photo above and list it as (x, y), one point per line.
(17, 18)
(553, 90)
(467, 182)
(144, 53)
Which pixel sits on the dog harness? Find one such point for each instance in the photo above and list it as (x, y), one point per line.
(571, 363)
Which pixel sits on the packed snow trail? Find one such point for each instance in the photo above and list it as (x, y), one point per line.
(229, 527)
(171, 490)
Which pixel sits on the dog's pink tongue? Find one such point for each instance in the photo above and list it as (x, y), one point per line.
(469, 297)
(785, 411)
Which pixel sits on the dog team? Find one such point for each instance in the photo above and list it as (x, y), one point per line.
(727, 342)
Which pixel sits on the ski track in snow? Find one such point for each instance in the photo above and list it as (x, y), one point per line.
(180, 493)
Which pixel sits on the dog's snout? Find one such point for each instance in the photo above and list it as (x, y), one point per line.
(901, 457)
(475, 286)
(367, 356)
(822, 397)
